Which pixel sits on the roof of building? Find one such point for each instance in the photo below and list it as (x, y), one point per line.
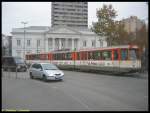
(31, 29)
(71, 30)
(56, 30)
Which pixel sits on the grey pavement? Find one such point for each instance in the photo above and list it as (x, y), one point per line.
(79, 91)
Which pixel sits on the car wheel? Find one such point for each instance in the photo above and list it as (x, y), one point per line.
(44, 78)
(31, 76)
(5, 69)
(61, 80)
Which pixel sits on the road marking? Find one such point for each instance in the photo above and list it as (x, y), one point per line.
(78, 100)
(75, 98)
(55, 87)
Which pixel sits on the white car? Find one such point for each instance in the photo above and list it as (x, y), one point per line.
(45, 71)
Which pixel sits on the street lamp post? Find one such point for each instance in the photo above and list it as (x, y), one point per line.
(24, 38)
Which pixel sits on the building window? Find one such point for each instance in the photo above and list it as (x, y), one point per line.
(18, 42)
(50, 43)
(28, 42)
(56, 44)
(84, 43)
(63, 43)
(101, 43)
(93, 43)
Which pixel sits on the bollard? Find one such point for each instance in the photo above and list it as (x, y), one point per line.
(2, 72)
(9, 72)
(16, 72)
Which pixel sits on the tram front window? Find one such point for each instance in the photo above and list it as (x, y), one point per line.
(132, 54)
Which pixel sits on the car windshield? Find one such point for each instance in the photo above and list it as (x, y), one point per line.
(49, 67)
(19, 60)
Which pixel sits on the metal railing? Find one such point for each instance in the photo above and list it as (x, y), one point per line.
(13, 72)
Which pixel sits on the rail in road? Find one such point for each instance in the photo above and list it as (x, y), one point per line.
(15, 75)
(25, 75)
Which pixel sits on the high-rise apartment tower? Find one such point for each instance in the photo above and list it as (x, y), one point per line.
(72, 14)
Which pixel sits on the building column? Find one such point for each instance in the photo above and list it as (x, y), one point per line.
(66, 43)
(55, 45)
(46, 45)
(77, 44)
(59, 43)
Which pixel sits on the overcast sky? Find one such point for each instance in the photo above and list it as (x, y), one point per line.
(39, 13)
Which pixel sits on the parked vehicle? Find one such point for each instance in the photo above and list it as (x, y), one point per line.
(45, 71)
(12, 63)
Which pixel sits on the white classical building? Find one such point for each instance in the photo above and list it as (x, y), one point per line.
(40, 39)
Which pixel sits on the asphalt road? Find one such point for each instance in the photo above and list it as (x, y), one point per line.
(79, 91)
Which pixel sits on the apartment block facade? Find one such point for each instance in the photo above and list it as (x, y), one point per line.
(132, 24)
(71, 14)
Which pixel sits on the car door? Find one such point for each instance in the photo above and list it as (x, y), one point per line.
(33, 70)
(40, 71)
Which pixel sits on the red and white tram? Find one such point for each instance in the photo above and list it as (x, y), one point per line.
(118, 59)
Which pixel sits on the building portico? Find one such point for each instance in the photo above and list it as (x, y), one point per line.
(40, 39)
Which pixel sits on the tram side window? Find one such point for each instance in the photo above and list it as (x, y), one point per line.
(68, 56)
(27, 57)
(90, 55)
(37, 57)
(60, 56)
(106, 55)
(55, 57)
(63, 56)
(81, 54)
(115, 55)
(84, 55)
(96, 55)
(124, 54)
(132, 54)
(78, 56)
(46, 56)
(33, 57)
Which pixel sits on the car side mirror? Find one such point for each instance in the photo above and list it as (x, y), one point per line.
(40, 69)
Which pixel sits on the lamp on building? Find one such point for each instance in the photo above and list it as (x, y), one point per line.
(24, 23)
